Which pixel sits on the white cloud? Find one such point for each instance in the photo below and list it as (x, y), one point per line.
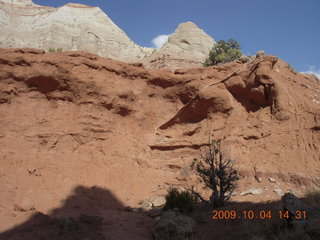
(160, 40)
(313, 70)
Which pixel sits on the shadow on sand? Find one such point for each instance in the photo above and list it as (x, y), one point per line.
(96, 214)
(88, 214)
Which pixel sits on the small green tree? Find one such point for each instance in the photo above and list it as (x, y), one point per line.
(223, 52)
(184, 201)
(218, 173)
(233, 44)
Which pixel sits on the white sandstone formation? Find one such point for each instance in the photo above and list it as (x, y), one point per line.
(77, 27)
(187, 47)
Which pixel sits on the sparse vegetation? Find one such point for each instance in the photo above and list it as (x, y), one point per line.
(218, 173)
(55, 50)
(182, 200)
(222, 52)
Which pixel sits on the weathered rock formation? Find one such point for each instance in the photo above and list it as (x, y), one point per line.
(186, 47)
(76, 27)
(71, 27)
(74, 120)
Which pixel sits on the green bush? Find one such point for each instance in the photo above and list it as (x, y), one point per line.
(55, 50)
(183, 200)
(223, 52)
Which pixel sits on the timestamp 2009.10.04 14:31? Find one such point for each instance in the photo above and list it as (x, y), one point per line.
(226, 214)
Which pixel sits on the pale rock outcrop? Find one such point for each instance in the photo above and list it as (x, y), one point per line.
(253, 191)
(188, 46)
(19, 2)
(77, 27)
(158, 201)
(71, 27)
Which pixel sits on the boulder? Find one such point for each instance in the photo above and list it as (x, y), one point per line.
(253, 191)
(271, 179)
(146, 205)
(173, 226)
(293, 204)
(244, 59)
(258, 174)
(158, 201)
(278, 191)
(260, 53)
(23, 204)
(259, 179)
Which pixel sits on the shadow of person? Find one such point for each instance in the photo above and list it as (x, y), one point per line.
(80, 217)
(85, 200)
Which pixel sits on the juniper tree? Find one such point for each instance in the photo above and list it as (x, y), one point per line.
(217, 171)
(223, 52)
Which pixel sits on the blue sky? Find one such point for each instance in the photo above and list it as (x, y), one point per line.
(289, 29)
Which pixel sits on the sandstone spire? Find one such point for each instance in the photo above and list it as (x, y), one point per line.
(188, 46)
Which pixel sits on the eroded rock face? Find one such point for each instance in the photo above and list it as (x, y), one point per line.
(77, 27)
(257, 86)
(210, 100)
(75, 119)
